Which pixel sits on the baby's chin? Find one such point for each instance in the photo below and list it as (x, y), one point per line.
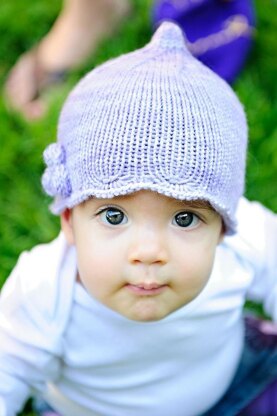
(147, 310)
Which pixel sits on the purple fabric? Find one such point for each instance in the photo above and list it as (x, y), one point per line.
(50, 413)
(219, 31)
(265, 404)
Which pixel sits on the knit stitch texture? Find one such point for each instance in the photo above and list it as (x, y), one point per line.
(152, 119)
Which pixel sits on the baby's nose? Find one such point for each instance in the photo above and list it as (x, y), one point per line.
(148, 247)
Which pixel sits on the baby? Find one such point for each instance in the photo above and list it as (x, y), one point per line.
(137, 307)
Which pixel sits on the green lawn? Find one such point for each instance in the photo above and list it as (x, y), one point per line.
(24, 216)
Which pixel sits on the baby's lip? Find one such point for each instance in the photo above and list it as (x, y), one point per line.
(149, 285)
(146, 288)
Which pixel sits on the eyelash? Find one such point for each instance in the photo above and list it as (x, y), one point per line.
(115, 209)
(188, 218)
(187, 215)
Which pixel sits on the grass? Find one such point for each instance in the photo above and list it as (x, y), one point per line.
(24, 216)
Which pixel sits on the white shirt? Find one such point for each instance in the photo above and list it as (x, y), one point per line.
(89, 360)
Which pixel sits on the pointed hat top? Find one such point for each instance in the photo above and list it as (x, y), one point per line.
(169, 36)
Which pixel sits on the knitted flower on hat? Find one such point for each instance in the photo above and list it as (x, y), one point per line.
(153, 119)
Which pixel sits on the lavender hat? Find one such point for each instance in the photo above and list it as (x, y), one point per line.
(153, 119)
(219, 32)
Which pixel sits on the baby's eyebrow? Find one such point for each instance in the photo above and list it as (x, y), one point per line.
(197, 204)
(107, 201)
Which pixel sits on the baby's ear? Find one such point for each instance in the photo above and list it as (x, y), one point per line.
(222, 232)
(66, 225)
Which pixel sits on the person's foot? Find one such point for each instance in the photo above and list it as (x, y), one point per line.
(74, 36)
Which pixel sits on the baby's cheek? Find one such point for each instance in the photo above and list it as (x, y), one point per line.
(98, 275)
(206, 269)
(198, 272)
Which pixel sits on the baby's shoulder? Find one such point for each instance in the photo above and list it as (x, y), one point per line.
(37, 269)
(42, 264)
(256, 237)
(41, 284)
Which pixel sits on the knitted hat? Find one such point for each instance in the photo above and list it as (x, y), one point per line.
(154, 119)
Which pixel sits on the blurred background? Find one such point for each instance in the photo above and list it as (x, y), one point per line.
(24, 216)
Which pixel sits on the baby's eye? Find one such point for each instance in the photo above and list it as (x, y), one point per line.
(186, 219)
(113, 216)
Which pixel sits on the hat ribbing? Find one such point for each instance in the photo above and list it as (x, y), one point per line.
(152, 119)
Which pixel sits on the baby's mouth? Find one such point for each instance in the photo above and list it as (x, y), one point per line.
(146, 288)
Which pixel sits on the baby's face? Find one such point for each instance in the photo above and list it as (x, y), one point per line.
(143, 255)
